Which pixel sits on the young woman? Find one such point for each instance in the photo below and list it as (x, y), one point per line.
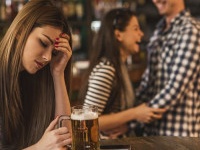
(35, 63)
(108, 85)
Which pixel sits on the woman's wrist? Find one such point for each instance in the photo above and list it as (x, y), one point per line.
(57, 75)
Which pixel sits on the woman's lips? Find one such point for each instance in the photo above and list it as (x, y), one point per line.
(39, 64)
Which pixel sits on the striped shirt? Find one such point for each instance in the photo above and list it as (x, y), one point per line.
(100, 86)
(101, 93)
(172, 79)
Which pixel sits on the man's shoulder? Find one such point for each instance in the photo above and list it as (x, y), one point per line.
(190, 23)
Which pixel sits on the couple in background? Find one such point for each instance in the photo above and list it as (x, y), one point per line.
(167, 100)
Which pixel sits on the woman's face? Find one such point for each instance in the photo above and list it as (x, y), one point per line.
(131, 37)
(38, 48)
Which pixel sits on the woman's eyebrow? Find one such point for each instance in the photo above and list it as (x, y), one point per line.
(48, 38)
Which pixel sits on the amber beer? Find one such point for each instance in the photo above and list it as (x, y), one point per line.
(85, 128)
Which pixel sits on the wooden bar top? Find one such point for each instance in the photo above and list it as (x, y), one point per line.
(157, 143)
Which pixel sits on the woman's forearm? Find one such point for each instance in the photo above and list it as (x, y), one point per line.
(110, 121)
(61, 96)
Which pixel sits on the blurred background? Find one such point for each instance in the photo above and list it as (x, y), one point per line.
(84, 18)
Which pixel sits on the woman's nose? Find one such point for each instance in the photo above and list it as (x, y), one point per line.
(141, 33)
(47, 56)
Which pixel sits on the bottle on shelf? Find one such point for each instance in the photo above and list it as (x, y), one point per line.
(2, 11)
(73, 9)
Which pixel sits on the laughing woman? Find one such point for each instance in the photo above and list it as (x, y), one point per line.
(35, 63)
(108, 85)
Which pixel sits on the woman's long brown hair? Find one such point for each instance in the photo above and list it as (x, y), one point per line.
(27, 101)
(106, 45)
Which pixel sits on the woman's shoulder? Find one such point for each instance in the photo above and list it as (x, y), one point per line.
(105, 63)
(103, 68)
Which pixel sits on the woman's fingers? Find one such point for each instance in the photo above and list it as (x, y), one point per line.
(66, 142)
(156, 116)
(63, 45)
(159, 110)
(64, 35)
(55, 138)
(63, 137)
(62, 41)
(62, 130)
(157, 113)
(52, 124)
(62, 53)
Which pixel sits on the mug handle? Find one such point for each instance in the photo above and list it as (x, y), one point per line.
(60, 120)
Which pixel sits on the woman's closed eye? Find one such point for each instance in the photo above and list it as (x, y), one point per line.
(43, 44)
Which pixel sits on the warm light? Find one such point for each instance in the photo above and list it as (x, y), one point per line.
(95, 25)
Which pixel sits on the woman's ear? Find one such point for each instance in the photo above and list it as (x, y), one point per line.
(118, 35)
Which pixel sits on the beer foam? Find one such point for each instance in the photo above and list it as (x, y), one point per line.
(84, 116)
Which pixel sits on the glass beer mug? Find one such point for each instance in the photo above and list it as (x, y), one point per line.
(85, 128)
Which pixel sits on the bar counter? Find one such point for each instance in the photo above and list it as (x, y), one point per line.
(156, 143)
